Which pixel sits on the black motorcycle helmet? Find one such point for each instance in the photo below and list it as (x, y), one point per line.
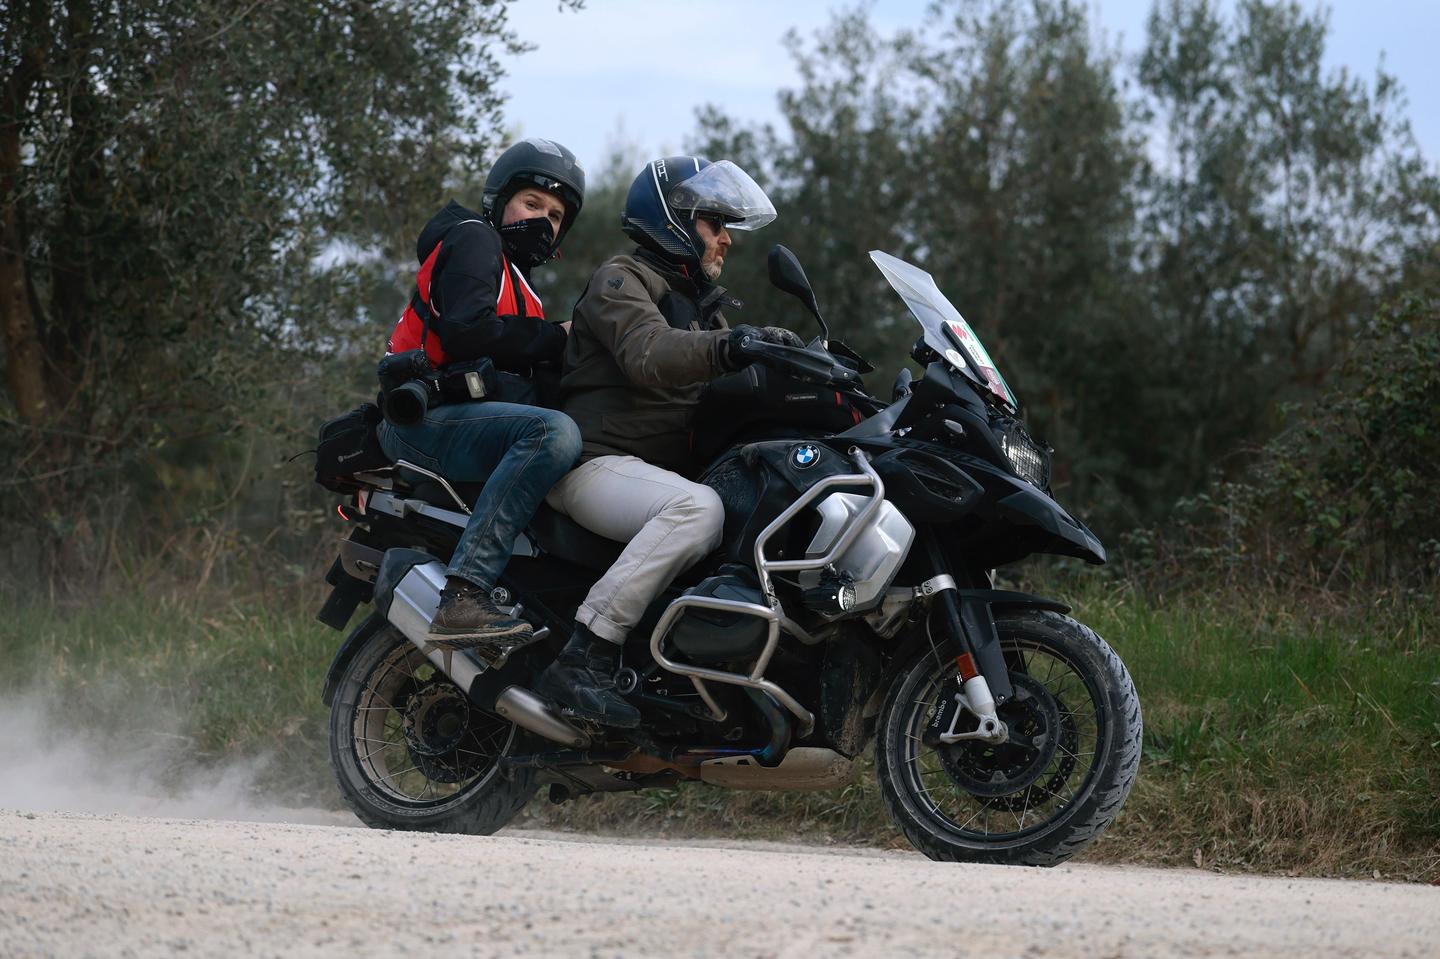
(670, 194)
(541, 163)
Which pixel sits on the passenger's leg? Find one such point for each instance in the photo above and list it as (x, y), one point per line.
(519, 452)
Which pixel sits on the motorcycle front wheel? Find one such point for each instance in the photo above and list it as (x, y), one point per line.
(1074, 749)
(410, 751)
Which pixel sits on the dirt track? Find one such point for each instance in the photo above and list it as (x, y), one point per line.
(75, 885)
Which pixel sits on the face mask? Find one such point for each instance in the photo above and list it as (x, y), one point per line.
(529, 242)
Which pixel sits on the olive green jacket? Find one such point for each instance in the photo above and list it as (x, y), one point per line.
(644, 342)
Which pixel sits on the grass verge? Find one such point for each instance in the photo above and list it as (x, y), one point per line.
(1276, 740)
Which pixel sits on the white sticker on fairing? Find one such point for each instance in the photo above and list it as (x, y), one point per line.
(955, 359)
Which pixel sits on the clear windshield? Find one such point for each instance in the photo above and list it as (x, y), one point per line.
(724, 189)
(946, 331)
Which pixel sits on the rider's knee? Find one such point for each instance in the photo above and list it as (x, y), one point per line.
(709, 518)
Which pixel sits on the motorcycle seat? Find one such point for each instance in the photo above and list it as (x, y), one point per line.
(561, 536)
(554, 532)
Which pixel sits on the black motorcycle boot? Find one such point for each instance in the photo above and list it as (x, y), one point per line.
(583, 678)
(469, 619)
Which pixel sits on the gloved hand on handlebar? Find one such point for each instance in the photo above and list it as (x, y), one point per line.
(736, 357)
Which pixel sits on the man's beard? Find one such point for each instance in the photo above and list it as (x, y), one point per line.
(711, 271)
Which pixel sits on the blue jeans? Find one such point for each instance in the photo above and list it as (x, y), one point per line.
(517, 451)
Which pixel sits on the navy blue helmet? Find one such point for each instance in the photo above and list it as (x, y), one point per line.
(670, 194)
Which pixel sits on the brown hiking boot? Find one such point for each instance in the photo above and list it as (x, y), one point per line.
(469, 619)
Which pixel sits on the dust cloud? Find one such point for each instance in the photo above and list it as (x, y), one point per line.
(48, 763)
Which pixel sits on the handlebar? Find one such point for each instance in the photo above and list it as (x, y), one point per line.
(807, 363)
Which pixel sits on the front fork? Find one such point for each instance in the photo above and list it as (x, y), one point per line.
(983, 678)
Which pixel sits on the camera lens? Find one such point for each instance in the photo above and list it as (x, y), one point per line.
(407, 403)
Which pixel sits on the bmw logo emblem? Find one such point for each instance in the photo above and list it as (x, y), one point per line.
(805, 456)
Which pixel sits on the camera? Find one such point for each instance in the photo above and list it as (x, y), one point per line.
(408, 386)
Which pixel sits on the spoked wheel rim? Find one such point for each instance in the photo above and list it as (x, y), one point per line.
(417, 740)
(986, 794)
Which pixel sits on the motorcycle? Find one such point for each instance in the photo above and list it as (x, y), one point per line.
(851, 601)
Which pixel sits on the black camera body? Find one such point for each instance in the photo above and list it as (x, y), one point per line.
(409, 386)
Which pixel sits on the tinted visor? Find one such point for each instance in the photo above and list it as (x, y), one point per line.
(723, 189)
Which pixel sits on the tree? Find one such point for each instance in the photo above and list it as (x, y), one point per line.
(195, 196)
(1288, 202)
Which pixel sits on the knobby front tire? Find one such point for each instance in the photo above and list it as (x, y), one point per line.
(1039, 800)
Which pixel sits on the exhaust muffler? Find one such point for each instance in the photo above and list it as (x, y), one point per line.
(407, 593)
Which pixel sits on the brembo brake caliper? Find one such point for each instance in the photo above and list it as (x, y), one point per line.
(974, 697)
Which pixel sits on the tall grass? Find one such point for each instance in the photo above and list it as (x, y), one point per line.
(1277, 739)
(201, 680)
(1282, 739)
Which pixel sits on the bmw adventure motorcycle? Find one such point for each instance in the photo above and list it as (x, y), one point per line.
(852, 600)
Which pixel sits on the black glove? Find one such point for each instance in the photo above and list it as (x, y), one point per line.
(731, 355)
(734, 355)
(781, 336)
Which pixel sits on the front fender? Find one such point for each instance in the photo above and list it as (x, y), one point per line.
(977, 608)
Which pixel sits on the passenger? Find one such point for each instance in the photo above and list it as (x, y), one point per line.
(473, 299)
(648, 334)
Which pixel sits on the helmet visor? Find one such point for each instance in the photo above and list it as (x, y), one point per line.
(724, 190)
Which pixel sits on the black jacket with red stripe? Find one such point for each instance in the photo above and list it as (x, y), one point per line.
(477, 303)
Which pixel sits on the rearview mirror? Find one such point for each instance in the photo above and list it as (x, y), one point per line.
(788, 275)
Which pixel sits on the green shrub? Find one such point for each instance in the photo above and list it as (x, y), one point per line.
(1343, 497)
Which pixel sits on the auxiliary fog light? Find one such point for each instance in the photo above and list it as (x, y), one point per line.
(831, 597)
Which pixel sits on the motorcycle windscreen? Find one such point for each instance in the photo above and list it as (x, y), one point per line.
(946, 331)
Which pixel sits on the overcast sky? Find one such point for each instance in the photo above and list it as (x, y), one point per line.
(637, 69)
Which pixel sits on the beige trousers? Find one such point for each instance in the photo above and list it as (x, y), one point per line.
(668, 522)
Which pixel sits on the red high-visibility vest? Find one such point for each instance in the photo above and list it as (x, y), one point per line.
(516, 299)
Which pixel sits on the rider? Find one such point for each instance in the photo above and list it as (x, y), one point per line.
(648, 334)
(473, 300)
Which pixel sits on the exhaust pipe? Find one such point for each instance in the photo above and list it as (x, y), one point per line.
(529, 711)
(410, 604)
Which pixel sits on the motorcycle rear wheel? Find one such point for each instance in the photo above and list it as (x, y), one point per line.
(1043, 797)
(410, 751)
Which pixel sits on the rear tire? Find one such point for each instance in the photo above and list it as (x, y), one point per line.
(411, 752)
(945, 798)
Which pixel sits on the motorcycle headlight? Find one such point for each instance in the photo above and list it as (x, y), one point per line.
(1029, 458)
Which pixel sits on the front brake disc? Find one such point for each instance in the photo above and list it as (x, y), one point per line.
(995, 770)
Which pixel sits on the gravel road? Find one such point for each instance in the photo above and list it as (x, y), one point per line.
(73, 885)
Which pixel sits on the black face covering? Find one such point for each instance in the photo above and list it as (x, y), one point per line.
(529, 242)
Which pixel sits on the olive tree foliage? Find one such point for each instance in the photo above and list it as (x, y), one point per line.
(1157, 250)
(191, 194)
(1288, 202)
